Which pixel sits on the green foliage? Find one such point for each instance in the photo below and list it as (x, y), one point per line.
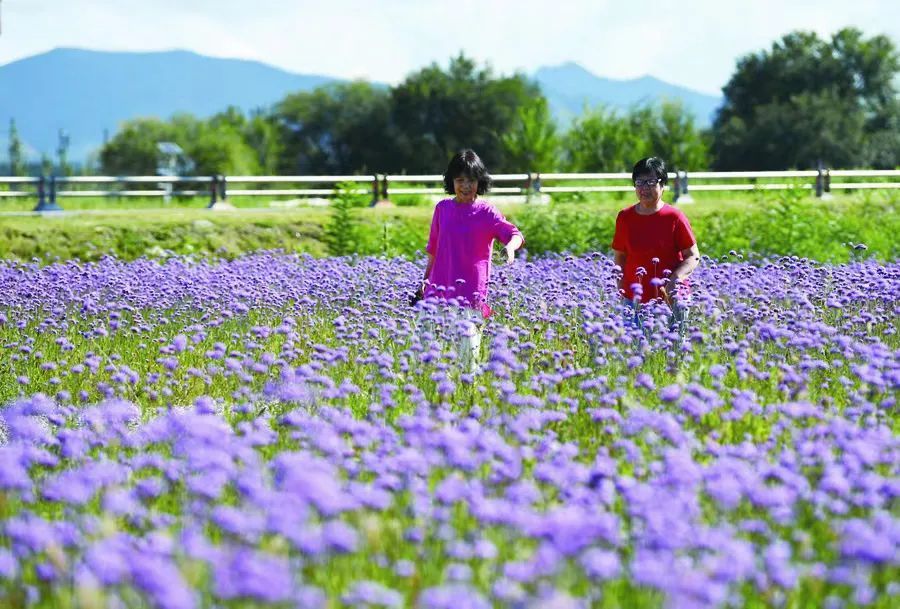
(261, 134)
(565, 228)
(605, 140)
(533, 144)
(600, 140)
(671, 132)
(214, 146)
(435, 113)
(217, 147)
(335, 129)
(412, 200)
(132, 151)
(809, 99)
(341, 232)
(131, 236)
(769, 223)
(805, 100)
(792, 222)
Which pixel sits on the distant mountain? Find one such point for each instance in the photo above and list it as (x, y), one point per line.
(86, 92)
(569, 88)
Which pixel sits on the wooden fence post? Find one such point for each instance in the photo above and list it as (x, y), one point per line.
(223, 189)
(820, 180)
(374, 189)
(685, 196)
(43, 203)
(213, 191)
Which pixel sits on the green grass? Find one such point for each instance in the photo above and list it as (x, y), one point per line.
(778, 223)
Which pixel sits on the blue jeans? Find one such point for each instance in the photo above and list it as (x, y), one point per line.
(677, 319)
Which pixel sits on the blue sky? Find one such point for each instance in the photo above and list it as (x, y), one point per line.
(689, 42)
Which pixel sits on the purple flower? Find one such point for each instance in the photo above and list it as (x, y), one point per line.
(452, 596)
(254, 576)
(369, 593)
(9, 566)
(107, 558)
(778, 564)
(161, 581)
(872, 542)
(240, 523)
(312, 479)
(30, 534)
(13, 471)
(600, 564)
(179, 343)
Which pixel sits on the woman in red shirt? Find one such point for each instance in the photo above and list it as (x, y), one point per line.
(654, 244)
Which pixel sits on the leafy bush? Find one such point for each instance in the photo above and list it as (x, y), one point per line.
(341, 230)
(412, 200)
(771, 223)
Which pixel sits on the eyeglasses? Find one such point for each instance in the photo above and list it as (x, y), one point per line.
(651, 182)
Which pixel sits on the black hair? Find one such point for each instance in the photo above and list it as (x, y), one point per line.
(653, 165)
(467, 163)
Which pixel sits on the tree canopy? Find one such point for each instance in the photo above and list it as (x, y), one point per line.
(434, 113)
(808, 99)
(805, 100)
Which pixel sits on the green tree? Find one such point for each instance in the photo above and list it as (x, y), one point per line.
(336, 129)
(16, 163)
(217, 145)
(434, 113)
(809, 99)
(601, 140)
(221, 150)
(262, 135)
(342, 230)
(132, 151)
(213, 147)
(532, 144)
(672, 134)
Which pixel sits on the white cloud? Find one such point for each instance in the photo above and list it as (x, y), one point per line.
(690, 42)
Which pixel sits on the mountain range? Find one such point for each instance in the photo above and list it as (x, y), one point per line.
(88, 94)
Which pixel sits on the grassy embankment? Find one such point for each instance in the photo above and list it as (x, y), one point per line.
(787, 222)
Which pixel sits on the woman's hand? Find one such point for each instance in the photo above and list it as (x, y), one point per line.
(418, 295)
(669, 290)
(510, 248)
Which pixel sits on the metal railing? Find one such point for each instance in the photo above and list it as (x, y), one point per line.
(49, 190)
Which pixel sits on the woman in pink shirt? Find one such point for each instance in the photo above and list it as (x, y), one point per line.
(463, 230)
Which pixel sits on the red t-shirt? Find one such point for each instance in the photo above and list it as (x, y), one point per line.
(661, 235)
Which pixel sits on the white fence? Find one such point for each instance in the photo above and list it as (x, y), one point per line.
(48, 191)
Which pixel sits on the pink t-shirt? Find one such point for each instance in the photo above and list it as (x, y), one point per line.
(461, 239)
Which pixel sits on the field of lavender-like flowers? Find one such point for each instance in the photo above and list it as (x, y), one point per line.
(282, 431)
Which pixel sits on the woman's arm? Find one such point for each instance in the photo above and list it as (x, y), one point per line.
(691, 259)
(420, 293)
(619, 258)
(512, 245)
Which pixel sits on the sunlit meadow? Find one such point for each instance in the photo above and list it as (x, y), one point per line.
(283, 431)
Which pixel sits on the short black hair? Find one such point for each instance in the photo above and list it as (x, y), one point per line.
(467, 163)
(653, 165)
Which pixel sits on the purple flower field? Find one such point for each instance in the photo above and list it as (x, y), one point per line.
(282, 431)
